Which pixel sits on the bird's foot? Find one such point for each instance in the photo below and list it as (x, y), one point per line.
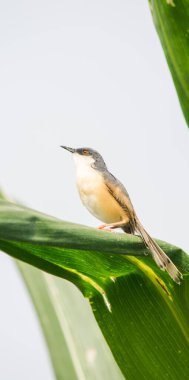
(101, 227)
(105, 227)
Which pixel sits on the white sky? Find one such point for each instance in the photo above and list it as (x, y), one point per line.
(84, 73)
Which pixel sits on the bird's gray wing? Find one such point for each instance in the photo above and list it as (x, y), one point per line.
(120, 194)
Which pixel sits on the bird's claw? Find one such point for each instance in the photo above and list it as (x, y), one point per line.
(104, 227)
(101, 227)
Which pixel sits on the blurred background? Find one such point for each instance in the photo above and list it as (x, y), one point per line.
(83, 73)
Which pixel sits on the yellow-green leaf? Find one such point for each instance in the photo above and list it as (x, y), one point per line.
(171, 19)
(142, 313)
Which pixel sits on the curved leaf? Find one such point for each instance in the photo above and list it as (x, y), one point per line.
(171, 18)
(77, 347)
(141, 312)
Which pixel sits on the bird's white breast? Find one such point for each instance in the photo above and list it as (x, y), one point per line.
(93, 191)
(89, 183)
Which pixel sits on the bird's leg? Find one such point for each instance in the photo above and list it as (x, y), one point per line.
(113, 225)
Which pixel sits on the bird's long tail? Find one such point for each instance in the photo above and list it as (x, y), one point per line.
(160, 257)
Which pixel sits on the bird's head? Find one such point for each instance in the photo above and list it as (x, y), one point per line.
(87, 157)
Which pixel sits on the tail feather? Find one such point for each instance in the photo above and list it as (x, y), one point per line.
(159, 256)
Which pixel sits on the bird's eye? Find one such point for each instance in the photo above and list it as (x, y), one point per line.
(85, 152)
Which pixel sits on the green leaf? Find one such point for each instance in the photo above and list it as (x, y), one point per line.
(77, 347)
(141, 312)
(171, 19)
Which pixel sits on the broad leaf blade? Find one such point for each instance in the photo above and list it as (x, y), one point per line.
(77, 347)
(146, 332)
(141, 312)
(171, 18)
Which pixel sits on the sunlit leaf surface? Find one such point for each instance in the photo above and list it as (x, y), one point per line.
(76, 344)
(141, 312)
(171, 18)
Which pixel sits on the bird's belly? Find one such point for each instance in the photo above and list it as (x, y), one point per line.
(101, 203)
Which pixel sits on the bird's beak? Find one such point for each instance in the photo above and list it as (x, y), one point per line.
(67, 148)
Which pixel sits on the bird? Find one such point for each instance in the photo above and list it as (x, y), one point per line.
(107, 199)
